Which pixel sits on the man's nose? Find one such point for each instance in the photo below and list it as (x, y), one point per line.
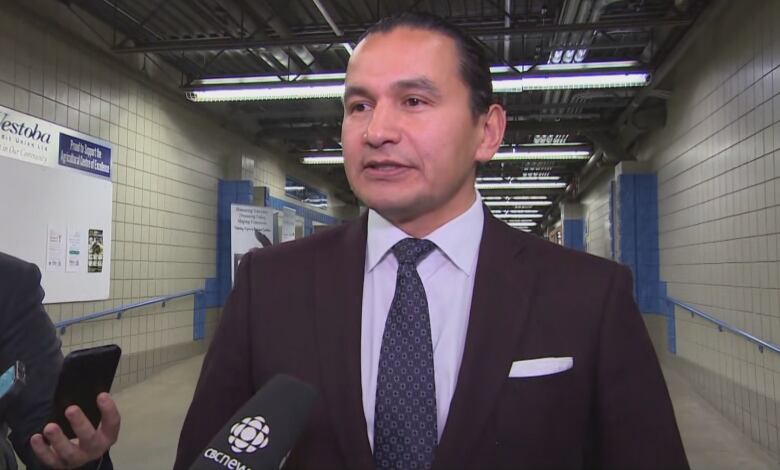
(383, 127)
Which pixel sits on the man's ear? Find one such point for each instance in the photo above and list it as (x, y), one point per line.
(492, 133)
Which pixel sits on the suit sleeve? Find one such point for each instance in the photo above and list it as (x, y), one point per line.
(28, 335)
(635, 420)
(225, 381)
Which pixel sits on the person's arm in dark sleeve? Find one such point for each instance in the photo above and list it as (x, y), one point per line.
(635, 420)
(28, 335)
(225, 381)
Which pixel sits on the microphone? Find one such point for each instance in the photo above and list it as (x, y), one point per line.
(261, 434)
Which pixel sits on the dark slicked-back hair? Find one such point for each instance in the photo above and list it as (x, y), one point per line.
(474, 65)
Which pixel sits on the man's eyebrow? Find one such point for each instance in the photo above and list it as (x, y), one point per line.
(355, 90)
(421, 83)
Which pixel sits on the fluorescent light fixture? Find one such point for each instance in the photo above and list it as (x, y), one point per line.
(267, 93)
(259, 79)
(504, 198)
(500, 156)
(518, 203)
(339, 76)
(294, 188)
(526, 185)
(515, 211)
(570, 82)
(522, 224)
(329, 160)
(581, 66)
(499, 179)
(518, 216)
(553, 144)
(272, 87)
(543, 155)
(323, 151)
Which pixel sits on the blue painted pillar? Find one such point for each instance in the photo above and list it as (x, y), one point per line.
(573, 225)
(217, 289)
(637, 239)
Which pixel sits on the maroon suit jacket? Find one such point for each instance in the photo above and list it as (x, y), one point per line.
(296, 309)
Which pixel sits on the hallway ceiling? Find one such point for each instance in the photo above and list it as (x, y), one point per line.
(205, 39)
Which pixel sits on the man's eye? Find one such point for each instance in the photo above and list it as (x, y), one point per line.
(413, 101)
(357, 107)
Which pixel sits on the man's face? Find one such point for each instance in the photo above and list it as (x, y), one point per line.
(410, 141)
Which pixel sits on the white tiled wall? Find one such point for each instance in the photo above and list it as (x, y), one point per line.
(167, 162)
(598, 239)
(718, 164)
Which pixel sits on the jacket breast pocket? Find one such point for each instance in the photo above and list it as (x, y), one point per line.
(537, 407)
(542, 420)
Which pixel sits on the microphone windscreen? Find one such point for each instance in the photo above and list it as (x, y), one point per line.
(261, 434)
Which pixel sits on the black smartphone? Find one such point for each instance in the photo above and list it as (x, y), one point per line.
(11, 383)
(85, 374)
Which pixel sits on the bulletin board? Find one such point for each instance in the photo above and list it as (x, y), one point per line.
(56, 209)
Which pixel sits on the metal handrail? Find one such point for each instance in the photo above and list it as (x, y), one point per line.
(723, 325)
(118, 311)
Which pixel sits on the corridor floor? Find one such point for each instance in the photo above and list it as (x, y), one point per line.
(153, 412)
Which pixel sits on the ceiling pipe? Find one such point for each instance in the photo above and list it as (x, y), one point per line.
(263, 14)
(714, 9)
(328, 18)
(507, 24)
(590, 12)
(332, 23)
(568, 15)
(352, 34)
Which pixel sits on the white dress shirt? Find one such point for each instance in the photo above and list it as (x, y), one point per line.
(447, 274)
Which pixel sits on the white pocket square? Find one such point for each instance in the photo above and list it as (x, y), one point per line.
(541, 366)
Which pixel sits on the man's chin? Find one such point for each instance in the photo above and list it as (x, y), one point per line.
(396, 210)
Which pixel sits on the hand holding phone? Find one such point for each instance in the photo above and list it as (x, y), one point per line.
(86, 421)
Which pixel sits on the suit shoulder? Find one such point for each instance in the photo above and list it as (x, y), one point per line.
(566, 259)
(17, 271)
(21, 280)
(303, 247)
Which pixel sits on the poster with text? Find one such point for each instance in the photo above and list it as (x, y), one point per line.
(96, 250)
(76, 250)
(250, 227)
(288, 224)
(55, 248)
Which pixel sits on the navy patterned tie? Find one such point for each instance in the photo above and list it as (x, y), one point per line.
(405, 434)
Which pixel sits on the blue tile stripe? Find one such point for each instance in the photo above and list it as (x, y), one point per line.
(217, 289)
(638, 214)
(574, 234)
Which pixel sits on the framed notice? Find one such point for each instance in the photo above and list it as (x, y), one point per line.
(250, 227)
(56, 187)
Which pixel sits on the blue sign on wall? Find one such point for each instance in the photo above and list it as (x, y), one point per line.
(84, 155)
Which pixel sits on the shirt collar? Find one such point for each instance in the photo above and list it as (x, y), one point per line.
(458, 239)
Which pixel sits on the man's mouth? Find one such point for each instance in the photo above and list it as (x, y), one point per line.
(384, 166)
(385, 169)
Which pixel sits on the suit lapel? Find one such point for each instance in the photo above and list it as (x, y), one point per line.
(338, 305)
(500, 306)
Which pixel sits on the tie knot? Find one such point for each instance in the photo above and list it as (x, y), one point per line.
(411, 250)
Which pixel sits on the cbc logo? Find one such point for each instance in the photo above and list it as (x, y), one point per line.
(248, 435)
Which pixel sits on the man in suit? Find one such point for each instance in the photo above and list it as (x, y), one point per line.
(27, 335)
(438, 336)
